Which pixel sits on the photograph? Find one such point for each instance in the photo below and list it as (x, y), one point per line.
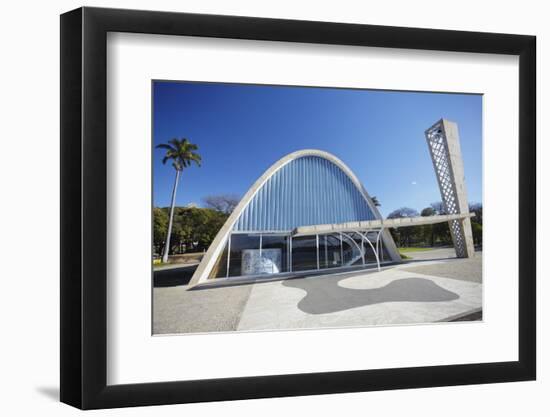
(279, 207)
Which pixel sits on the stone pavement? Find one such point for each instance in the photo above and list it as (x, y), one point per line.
(415, 292)
(389, 297)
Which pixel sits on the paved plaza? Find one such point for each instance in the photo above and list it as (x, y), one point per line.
(433, 287)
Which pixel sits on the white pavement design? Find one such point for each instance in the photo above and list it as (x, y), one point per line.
(285, 305)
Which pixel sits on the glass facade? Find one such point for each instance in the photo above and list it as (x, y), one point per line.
(369, 251)
(351, 252)
(239, 243)
(255, 254)
(360, 245)
(330, 251)
(306, 188)
(279, 243)
(304, 253)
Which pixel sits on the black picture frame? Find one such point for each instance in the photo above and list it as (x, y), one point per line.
(84, 207)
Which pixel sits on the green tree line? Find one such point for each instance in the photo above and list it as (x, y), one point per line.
(433, 234)
(193, 228)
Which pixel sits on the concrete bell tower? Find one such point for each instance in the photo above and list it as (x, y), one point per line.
(444, 146)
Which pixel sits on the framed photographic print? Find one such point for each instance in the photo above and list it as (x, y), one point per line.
(257, 208)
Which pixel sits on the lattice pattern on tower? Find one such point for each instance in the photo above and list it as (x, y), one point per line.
(439, 151)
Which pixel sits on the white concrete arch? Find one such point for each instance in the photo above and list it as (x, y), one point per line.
(205, 267)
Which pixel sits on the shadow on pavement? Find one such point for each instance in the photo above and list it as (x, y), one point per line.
(324, 295)
(424, 260)
(173, 277)
(475, 316)
(49, 392)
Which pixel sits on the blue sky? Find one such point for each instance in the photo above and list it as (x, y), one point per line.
(241, 130)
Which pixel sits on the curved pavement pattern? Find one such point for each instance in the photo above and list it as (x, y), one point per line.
(425, 291)
(390, 297)
(324, 295)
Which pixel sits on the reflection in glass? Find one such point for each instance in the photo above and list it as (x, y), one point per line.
(304, 253)
(277, 243)
(369, 252)
(258, 254)
(330, 251)
(353, 250)
(239, 243)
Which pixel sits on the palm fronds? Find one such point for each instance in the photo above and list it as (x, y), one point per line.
(181, 152)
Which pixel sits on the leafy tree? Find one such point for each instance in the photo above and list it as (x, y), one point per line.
(225, 203)
(428, 229)
(433, 234)
(403, 212)
(442, 233)
(438, 207)
(477, 233)
(182, 154)
(477, 223)
(428, 211)
(209, 228)
(405, 235)
(477, 208)
(180, 236)
(194, 228)
(160, 226)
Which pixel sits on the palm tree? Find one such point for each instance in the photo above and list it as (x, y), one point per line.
(182, 154)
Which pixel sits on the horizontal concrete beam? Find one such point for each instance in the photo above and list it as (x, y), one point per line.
(377, 224)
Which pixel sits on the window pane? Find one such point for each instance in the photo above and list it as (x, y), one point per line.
(275, 253)
(304, 253)
(242, 246)
(369, 253)
(353, 252)
(330, 253)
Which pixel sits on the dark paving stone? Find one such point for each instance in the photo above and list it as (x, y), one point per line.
(324, 295)
(476, 316)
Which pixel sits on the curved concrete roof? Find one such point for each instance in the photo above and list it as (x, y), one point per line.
(208, 261)
(307, 190)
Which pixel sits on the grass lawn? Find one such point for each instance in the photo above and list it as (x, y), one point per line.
(414, 249)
